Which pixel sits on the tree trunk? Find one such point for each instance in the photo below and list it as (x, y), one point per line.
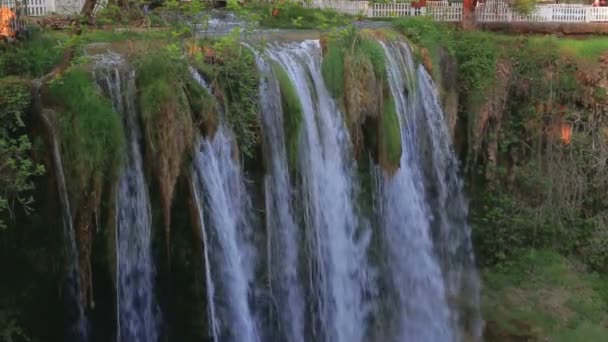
(88, 7)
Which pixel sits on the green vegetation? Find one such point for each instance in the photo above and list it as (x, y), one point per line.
(540, 295)
(354, 70)
(292, 15)
(167, 119)
(33, 57)
(16, 166)
(532, 188)
(91, 133)
(292, 115)
(390, 136)
(234, 75)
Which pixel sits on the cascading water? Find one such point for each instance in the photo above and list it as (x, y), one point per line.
(136, 305)
(219, 182)
(77, 320)
(336, 237)
(416, 278)
(452, 236)
(283, 234)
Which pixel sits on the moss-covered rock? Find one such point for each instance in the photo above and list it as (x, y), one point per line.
(292, 115)
(389, 131)
(167, 121)
(92, 142)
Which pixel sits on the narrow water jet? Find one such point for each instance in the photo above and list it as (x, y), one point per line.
(137, 310)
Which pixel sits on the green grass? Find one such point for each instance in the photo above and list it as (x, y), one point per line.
(292, 115)
(587, 48)
(542, 295)
(91, 133)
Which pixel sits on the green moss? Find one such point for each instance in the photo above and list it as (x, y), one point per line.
(91, 133)
(370, 48)
(292, 115)
(390, 136)
(332, 69)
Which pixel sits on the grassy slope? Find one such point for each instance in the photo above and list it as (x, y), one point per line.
(543, 296)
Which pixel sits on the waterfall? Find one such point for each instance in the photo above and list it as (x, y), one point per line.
(78, 323)
(453, 234)
(219, 182)
(137, 310)
(415, 274)
(336, 238)
(283, 235)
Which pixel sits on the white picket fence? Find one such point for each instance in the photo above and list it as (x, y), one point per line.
(489, 11)
(342, 6)
(495, 11)
(33, 8)
(400, 9)
(38, 8)
(444, 11)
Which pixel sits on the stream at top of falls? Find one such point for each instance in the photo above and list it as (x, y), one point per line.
(292, 255)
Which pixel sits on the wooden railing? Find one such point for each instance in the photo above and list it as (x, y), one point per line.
(489, 11)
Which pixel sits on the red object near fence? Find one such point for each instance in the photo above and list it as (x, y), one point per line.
(7, 20)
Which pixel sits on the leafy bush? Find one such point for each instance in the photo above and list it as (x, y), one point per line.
(291, 14)
(33, 57)
(234, 74)
(15, 163)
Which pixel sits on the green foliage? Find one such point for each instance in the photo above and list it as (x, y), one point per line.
(292, 114)
(91, 133)
(16, 167)
(292, 15)
(159, 73)
(236, 75)
(540, 295)
(523, 6)
(33, 57)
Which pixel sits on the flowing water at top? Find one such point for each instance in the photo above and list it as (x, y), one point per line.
(231, 259)
(136, 305)
(336, 238)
